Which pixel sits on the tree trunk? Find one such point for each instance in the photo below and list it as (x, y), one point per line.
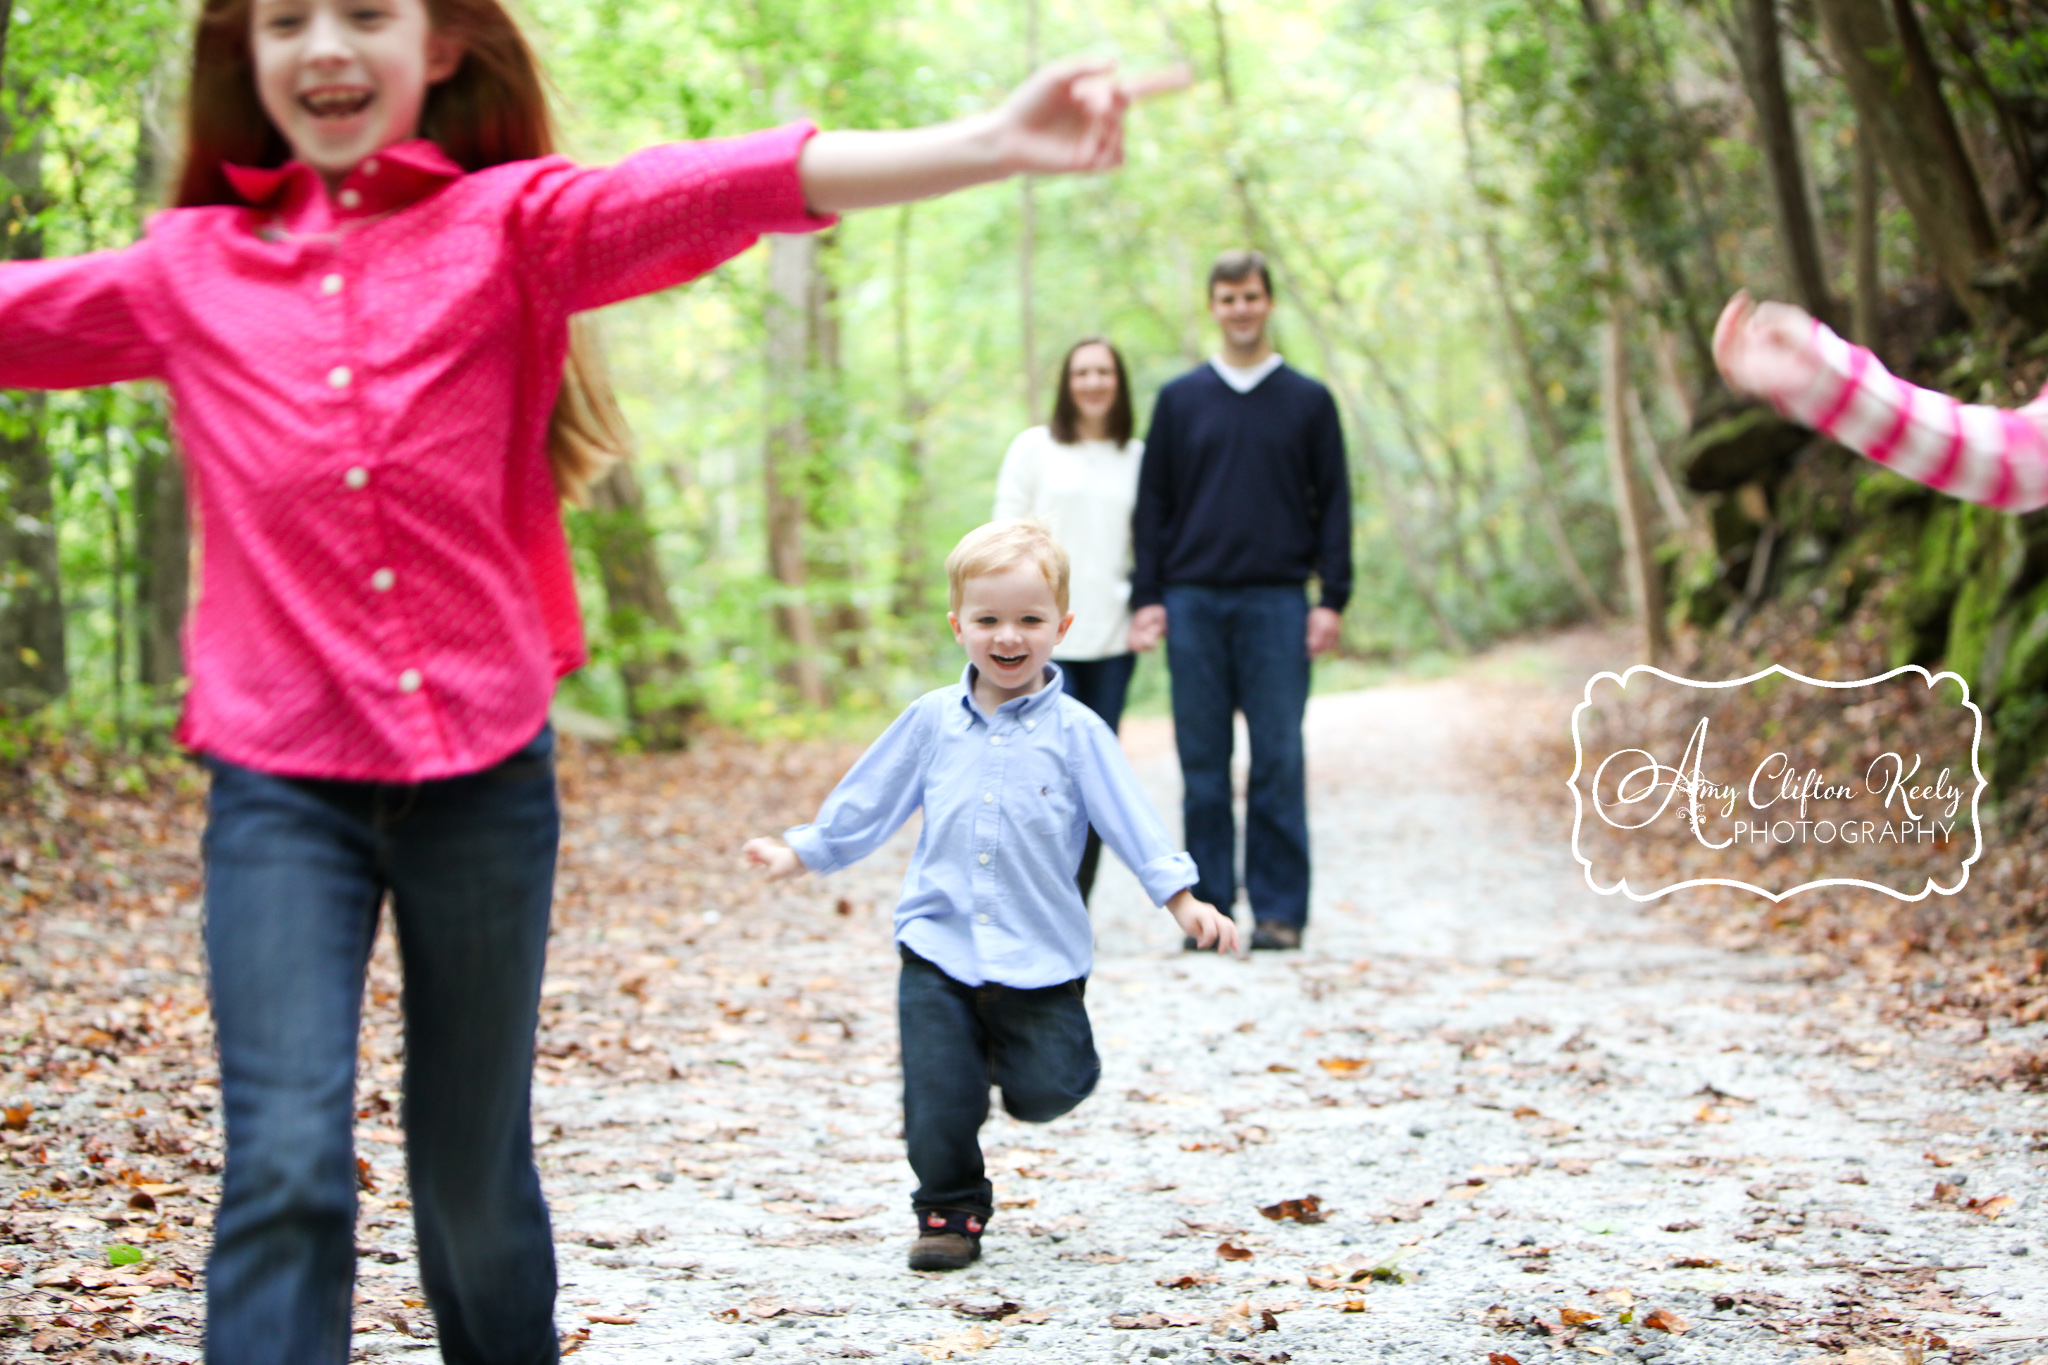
(1552, 433)
(32, 663)
(1645, 582)
(1761, 54)
(1254, 227)
(1027, 245)
(912, 588)
(1867, 307)
(1899, 104)
(162, 565)
(792, 263)
(1649, 228)
(163, 543)
(640, 617)
(831, 536)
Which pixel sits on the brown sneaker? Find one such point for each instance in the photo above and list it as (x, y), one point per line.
(947, 1239)
(944, 1251)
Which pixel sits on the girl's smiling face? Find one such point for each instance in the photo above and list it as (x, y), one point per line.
(1008, 623)
(342, 79)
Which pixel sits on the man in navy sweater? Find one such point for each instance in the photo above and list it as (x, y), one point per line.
(1242, 499)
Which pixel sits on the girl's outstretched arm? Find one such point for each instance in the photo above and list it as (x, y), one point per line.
(1994, 456)
(1069, 116)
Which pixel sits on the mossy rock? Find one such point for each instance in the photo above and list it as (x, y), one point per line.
(2025, 666)
(1746, 446)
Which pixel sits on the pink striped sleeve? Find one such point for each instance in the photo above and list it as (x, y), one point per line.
(1981, 454)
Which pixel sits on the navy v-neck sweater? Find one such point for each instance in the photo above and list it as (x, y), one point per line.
(1242, 489)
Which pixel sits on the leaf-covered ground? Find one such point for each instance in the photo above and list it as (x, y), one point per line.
(1484, 1115)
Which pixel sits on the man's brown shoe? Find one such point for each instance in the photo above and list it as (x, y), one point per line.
(944, 1251)
(1270, 933)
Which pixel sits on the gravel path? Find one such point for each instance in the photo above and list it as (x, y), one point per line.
(1528, 1098)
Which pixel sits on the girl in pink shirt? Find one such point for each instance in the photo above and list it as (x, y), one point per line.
(1995, 456)
(362, 306)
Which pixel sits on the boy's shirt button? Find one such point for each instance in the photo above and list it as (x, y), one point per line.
(982, 919)
(984, 860)
(995, 739)
(988, 798)
(1031, 725)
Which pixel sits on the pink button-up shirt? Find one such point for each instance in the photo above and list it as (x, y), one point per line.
(362, 387)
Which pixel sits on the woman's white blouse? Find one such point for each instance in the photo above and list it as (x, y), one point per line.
(1085, 492)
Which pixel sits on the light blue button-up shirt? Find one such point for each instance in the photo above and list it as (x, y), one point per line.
(990, 896)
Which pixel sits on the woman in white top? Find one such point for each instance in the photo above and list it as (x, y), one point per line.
(1079, 475)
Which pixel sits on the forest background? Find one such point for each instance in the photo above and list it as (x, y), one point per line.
(1502, 229)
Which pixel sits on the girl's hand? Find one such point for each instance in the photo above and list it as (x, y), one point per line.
(1069, 116)
(774, 857)
(1203, 922)
(1148, 628)
(1765, 349)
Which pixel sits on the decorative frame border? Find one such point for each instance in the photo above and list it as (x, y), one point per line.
(1621, 884)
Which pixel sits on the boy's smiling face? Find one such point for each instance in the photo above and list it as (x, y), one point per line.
(1008, 623)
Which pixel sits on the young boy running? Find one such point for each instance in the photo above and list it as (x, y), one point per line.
(994, 938)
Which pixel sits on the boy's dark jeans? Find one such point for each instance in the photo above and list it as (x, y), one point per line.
(1243, 649)
(295, 870)
(1035, 1045)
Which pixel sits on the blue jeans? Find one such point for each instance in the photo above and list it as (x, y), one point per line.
(1231, 650)
(1035, 1045)
(295, 872)
(1100, 685)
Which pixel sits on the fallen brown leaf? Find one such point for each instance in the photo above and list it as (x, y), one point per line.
(14, 1118)
(1664, 1320)
(1501, 1358)
(1194, 1281)
(1576, 1317)
(1231, 1251)
(1354, 1303)
(1344, 1066)
(1991, 1207)
(1307, 1209)
(845, 1213)
(611, 1319)
(967, 1343)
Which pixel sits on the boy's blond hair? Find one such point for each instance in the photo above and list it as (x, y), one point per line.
(1000, 544)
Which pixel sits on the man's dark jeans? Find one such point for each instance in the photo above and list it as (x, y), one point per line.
(1035, 1045)
(295, 871)
(1243, 649)
(1100, 685)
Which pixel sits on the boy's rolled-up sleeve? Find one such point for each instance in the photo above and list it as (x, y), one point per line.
(872, 801)
(663, 215)
(1121, 812)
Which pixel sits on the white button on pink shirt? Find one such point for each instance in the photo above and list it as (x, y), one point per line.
(362, 393)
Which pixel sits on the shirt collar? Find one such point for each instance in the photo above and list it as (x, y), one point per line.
(1242, 378)
(1055, 683)
(396, 177)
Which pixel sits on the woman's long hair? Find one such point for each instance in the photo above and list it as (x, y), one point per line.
(492, 110)
(1066, 413)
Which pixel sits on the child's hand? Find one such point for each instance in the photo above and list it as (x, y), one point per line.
(778, 859)
(1069, 116)
(1203, 922)
(1765, 349)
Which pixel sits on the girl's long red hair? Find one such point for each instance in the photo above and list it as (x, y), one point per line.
(492, 110)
